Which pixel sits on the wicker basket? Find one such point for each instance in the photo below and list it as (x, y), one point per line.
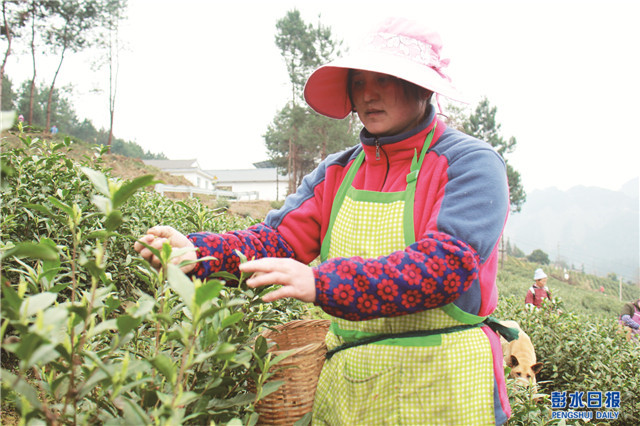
(299, 371)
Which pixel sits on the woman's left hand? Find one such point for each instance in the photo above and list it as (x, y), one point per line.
(296, 278)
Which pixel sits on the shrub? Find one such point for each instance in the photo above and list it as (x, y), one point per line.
(91, 334)
(579, 353)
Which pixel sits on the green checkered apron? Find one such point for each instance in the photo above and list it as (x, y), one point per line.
(439, 379)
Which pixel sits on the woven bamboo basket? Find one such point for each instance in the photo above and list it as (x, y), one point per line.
(299, 371)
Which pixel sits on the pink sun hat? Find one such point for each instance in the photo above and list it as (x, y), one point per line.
(399, 47)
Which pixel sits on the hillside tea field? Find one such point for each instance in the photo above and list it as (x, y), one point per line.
(91, 334)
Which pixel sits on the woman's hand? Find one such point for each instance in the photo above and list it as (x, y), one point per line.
(156, 237)
(296, 278)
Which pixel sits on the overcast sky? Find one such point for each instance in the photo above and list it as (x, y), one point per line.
(203, 79)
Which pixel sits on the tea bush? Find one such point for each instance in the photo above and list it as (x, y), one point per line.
(579, 352)
(91, 333)
(43, 176)
(579, 293)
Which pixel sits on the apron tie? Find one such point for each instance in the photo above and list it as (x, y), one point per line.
(507, 332)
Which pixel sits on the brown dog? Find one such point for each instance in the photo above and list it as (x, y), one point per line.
(520, 355)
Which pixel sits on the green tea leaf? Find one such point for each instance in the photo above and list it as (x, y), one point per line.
(241, 255)
(110, 324)
(143, 306)
(37, 302)
(224, 275)
(50, 267)
(165, 251)
(114, 220)
(62, 206)
(187, 398)
(270, 387)
(98, 179)
(242, 399)
(40, 208)
(21, 387)
(208, 291)
(261, 346)
(166, 367)
(79, 310)
(126, 323)
(253, 419)
(28, 344)
(10, 299)
(225, 351)
(129, 188)
(304, 420)
(231, 319)
(43, 354)
(201, 357)
(32, 250)
(165, 398)
(181, 284)
(132, 413)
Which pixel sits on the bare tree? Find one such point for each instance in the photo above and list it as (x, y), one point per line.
(6, 31)
(112, 25)
(35, 14)
(71, 22)
(13, 18)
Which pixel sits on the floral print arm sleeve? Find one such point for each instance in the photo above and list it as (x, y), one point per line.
(428, 274)
(255, 242)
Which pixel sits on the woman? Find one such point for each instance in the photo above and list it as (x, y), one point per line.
(539, 290)
(407, 225)
(630, 317)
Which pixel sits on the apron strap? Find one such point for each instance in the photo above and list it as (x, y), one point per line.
(412, 178)
(507, 332)
(337, 203)
(410, 191)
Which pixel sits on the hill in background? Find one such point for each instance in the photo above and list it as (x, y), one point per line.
(587, 228)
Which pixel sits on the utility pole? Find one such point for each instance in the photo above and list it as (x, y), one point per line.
(620, 288)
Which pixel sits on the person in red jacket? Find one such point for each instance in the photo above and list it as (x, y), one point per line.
(538, 291)
(406, 225)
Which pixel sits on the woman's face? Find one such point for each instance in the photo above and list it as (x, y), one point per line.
(383, 105)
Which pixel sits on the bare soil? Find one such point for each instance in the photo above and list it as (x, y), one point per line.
(257, 209)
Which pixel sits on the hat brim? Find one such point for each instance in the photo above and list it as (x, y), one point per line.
(326, 88)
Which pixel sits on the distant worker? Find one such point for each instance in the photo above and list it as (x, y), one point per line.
(538, 290)
(630, 317)
(54, 130)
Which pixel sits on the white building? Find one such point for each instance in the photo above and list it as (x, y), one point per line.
(266, 181)
(189, 169)
(263, 183)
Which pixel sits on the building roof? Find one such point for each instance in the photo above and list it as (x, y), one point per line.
(246, 175)
(264, 164)
(173, 164)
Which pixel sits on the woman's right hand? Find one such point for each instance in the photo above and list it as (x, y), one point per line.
(156, 237)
